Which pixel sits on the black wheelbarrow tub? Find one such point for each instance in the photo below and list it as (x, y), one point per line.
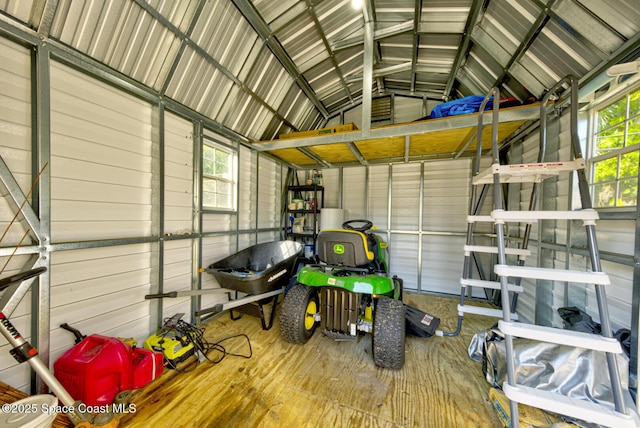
(258, 269)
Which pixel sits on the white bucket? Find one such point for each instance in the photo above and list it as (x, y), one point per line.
(37, 411)
(308, 251)
(332, 218)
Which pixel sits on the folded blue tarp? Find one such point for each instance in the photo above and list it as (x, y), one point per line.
(466, 105)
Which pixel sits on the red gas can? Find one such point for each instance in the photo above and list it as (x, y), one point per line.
(147, 365)
(95, 370)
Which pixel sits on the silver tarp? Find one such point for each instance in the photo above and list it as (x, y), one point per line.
(574, 372)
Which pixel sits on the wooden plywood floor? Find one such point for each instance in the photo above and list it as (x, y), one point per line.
(324, 383)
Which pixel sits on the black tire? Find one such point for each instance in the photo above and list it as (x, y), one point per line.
(296, 316)
(389, 333)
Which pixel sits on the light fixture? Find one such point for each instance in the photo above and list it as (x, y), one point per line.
(356, 4)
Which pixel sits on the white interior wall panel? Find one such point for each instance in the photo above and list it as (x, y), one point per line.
(330, 180)
(247, 165)
(177, 276)
(212, 222)
(100, 160)
(442, 262)
(446, 195)
(100, 290)
(407, 109)
(405, 196)
(403, 255)
(269, 193)
(527, 300)
(213, 249)
(354, 195)
(445, 209)
(378, 202)
(15, 150)
(178, 174)
(15, 135)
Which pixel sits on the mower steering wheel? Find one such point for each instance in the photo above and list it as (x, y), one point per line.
(19, 277)
(363, 228)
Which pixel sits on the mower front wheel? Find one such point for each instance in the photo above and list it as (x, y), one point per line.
(389, 333)
(297, 316)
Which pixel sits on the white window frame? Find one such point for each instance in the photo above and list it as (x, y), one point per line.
(612, 96)
(230, 178)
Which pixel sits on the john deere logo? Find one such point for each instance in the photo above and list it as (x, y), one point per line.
(338, 249)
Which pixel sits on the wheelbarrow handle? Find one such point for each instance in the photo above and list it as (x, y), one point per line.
(19, 277)
(161, 295)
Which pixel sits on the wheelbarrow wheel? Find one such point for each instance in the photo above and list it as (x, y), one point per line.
(297, 316)
(389, 333)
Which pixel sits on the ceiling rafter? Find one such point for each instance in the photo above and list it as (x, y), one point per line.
(328, 48)
(465, 45)
(529, 38)
(260, 26)
(185, 37)
(417, 18)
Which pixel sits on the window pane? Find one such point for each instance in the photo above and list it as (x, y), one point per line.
(629, 165)
(207, 167)
(611, 115)
(634, 104)
(633, 133)
(628, 193)
(222, 170)
(209, 185)
(606, 170)
(208, 152)
(612, 138)
(604, 195)
(224, 195)
(208, 199)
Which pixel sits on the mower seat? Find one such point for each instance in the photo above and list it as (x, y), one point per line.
(344, 247)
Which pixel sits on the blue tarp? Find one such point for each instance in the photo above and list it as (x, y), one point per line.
(466, 105)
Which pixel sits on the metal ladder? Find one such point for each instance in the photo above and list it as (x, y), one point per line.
(621, 416)
(479, 191)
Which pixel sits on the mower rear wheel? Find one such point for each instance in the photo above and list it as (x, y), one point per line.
(389, 333)
(297, 316)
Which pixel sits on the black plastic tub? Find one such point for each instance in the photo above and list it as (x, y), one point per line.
(258, 269)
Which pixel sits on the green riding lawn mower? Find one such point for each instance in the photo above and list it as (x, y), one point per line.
(348, 293)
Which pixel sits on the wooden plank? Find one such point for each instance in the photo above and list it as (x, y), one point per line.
(334, 153)
(294, 156)
(324, 383)
(382, 148)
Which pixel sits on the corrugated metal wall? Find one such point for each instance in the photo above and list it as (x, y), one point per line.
(110, 201)
(425, 242)
(15, 138)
